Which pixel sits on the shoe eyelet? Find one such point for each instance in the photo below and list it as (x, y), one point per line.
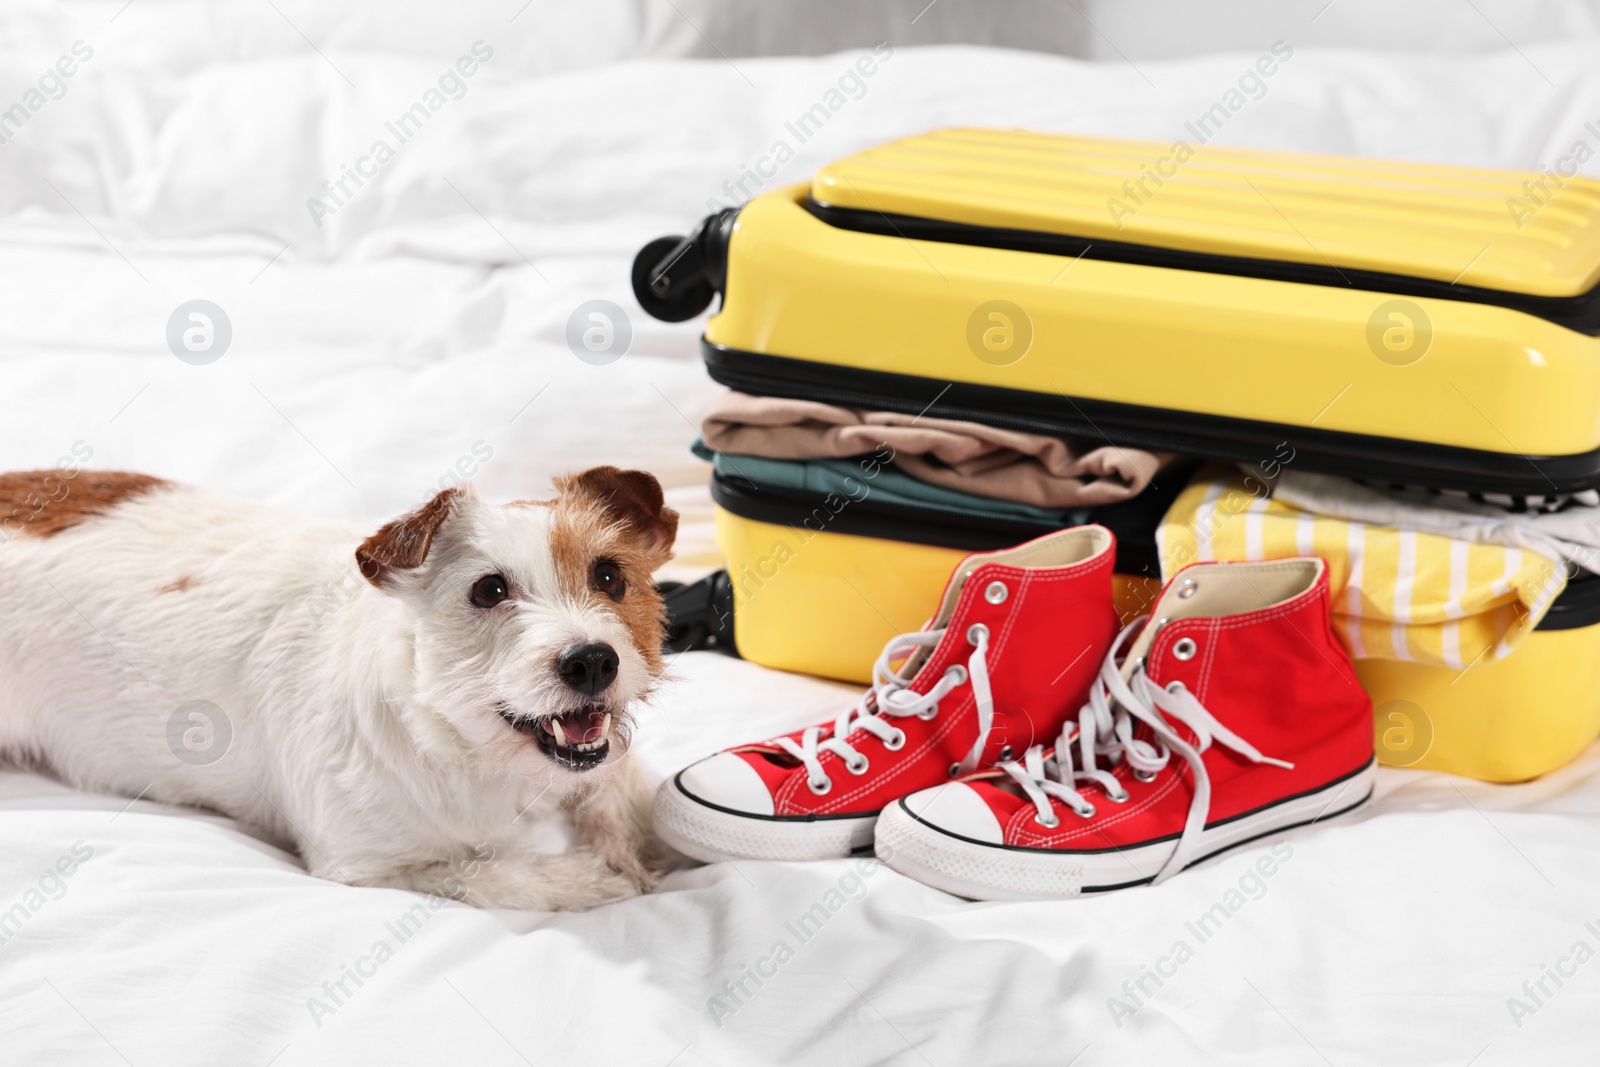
(996, 593)
(1119, 798)
(1051, 823)
(897, 742)
(955, 769)
(977, 632)
(1176, 687)
(958, 672)
(857, 767)
(1184, 648)
(1187, 589)
(1005, 753)
(821, 791)
(926, 716)
(1145, 776)
(1085, 812)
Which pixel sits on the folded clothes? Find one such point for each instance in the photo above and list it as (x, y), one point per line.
(858, 477)
(1397, 594)
(1516, 502)
(1570, 532)
(1033, 469)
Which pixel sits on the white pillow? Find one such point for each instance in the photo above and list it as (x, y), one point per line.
(1110, 30)
(733, 28)
(1171, 29)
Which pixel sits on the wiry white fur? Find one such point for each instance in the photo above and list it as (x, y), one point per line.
(364, 729)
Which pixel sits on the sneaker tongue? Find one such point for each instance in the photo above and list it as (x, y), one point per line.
(582, 727)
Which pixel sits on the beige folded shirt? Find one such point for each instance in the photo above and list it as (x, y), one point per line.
(1047, 472)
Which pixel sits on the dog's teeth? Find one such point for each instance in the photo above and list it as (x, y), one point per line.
(605, 725)
(558, 733)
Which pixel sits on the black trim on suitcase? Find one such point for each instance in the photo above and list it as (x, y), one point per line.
(1164, 429)
(1577, 607)
(1580, 312)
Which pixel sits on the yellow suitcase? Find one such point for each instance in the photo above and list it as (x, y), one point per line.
(1416, 324)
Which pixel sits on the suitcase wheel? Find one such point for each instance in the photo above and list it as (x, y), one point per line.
(675, 278)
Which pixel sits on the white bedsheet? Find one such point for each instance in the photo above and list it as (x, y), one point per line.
(426, 318)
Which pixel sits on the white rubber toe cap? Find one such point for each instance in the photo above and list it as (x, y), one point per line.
(958, 809)
(727, 781)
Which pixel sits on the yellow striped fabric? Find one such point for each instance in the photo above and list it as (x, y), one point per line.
(1397, 594)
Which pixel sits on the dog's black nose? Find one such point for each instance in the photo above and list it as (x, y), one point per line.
(588, 668)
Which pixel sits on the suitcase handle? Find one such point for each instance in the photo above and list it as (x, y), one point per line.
(675, 278)
(700, 614)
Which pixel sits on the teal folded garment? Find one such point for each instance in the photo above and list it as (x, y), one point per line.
(860, 477)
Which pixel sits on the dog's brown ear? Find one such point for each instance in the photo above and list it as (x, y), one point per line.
(633, 499)
(403, 544)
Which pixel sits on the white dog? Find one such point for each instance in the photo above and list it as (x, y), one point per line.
(400, 707)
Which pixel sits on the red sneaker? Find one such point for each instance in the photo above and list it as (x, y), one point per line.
(1011, 653)
(1241, 655)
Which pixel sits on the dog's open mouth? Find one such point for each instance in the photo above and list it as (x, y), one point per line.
(578, 740)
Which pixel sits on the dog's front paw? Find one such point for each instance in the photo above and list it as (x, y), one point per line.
(591, 882)
(642, 875)
(576, 880)
(661, 859)
(569, 881)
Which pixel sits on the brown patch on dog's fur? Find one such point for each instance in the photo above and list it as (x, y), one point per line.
(180, 586)
(606, 513)
(403, 544)
(631, 498)
(44, 503)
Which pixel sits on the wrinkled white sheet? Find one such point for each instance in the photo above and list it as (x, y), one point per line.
(426, 319)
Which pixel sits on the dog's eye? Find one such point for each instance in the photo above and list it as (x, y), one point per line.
(607, 578)
(489, 590)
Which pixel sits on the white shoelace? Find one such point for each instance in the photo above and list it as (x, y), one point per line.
(888, 698)
(1104, 732)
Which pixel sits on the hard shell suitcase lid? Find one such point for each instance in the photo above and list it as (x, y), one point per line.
(1534, 233)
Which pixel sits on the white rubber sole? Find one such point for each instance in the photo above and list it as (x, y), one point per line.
(993, 872)
(713, 834)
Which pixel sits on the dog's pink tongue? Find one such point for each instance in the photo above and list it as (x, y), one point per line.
(583, 727)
